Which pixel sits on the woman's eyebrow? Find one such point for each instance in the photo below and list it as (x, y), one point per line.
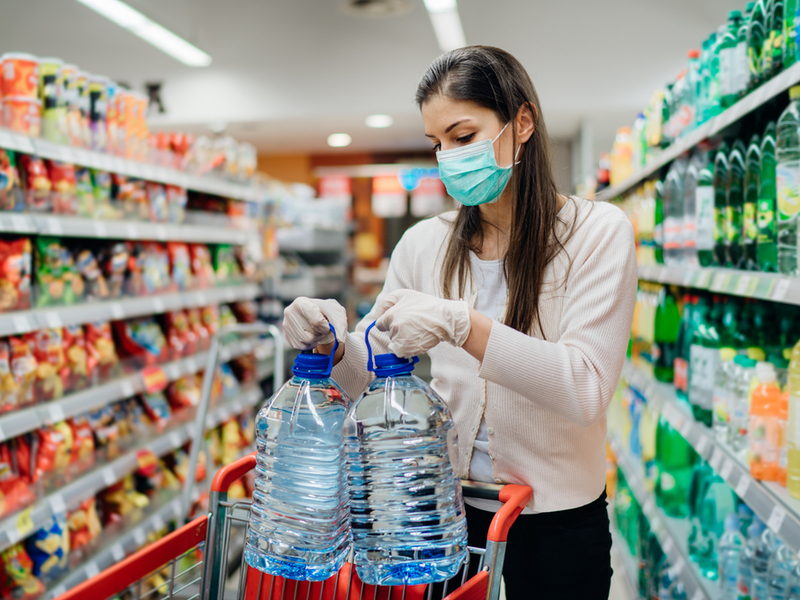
(449, 129)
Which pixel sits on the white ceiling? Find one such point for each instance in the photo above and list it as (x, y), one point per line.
(286, 73)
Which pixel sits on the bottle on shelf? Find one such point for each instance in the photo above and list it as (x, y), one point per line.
(704, 355)
(735, 205)
(744, 572)
(764, 428)
(696, 164)
(673, 212)
(741, 64)
(766, 215)
(743, 380)
(727, 60)
(789, 33)
(697, 541)
(783, 424)
(683, 343)
(781, 565)
(674, 458)
(767, 545)
(658, 221)
(793, 430)
(749, 233)
(300, 523)
(702, 83)
(665, 330)
(720, 204)
(718, 502)
(666, 579)
(714, 98)
(787, 150)
(730, 550)
(756, 34)
(773, 45)
(705, 214)
(722, 397)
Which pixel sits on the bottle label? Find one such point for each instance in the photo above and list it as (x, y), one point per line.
(681, 374)
(766, 53)
(704, 210)
(658, 234)
(741, 68)
(672, 232)
(719, 225)
(787, 180)
(767, 232)
(764, 436)
(720, 401)
(726, 71)
(702, 366)
(733, 224)
(749, 227)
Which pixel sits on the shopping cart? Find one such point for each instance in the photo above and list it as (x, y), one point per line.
(192, 563)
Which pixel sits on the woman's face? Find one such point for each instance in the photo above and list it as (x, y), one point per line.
(454, 123)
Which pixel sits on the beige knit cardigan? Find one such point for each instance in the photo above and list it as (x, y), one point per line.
(544, 401)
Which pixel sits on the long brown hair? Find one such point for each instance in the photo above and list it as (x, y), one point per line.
(494, 79)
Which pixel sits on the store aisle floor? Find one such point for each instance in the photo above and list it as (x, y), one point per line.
(620, 587)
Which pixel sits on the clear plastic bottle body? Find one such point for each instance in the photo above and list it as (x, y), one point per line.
(787, 176)
(673, 212)
(299, 525)
(730, 548)
(407, 511)
(781, 565)
(766, 547)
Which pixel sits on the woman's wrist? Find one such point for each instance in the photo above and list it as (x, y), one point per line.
(328, 348)
(478, 339)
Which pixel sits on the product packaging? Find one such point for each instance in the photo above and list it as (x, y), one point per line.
(36, 183)
(57, 277)
(47, 346)
(180, 265)
(23, 115)
(102, 354)
(15, 274)
(12, 198)
(84, 193)
(76, 372)
(48, 548)
(202, 269)
(17, 581)
(141, 340)
(115, 260)
(63, 179)
(159, 204)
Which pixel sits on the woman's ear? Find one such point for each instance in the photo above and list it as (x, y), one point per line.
(525, 122)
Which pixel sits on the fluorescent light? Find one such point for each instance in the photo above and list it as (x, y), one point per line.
(379, 121)
(448, 30)
(339, 140)
(435, 6)
(150, 31)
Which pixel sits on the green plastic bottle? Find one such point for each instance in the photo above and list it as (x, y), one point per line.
(714, 91)
(718, 502)
(752, 174)
(787, 182)
(704, 356)
(742, 66)
(705, 215)
(789, 33)
(658, 228)
(756, 34)
(701, 97)
(667, 322)
(735, 206)
(766, 214)
(773, 44)
(727, 60)
(702, 473)
(674, 459)
(683, 344)
(720, 203)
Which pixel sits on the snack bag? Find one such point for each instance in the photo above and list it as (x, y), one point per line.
(84, 524)
(106, 432)
(226, 316)
(180, 265)
(17, 580)
(64, 181)
(157, 408)
(232, 441)
(245, 311)
(83, 442)
(15, 493)
(245, 368)
(57, 277)
(95, 284)
(24, 368)
(228, 381)
(210, 317)
(155, 268)
(115, 261)
(48, 349)
(202, 268)
(123, 192)
(196, 326)
(159, 203)
(102, 187)
(76, 373)
(37, 184)
(84, 193)
(134, 279)
(102, 358)
(224, 262)
(11, 196)
(8, 385)
(179, 336)
(15, 274)
(139, 207)
(142, 340)
(120, 500)
(177, 199)
(184, 392)
(138, 421)
(248, 265)
(54, 451)
(49, 549)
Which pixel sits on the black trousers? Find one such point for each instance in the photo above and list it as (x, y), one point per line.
(553, 556)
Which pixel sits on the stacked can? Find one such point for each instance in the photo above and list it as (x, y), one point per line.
(19, 86)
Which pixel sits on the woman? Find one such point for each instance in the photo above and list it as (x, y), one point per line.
(533, 293)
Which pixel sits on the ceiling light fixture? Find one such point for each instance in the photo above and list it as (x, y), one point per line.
(379, 121)
(150, 31)
(339, 140)
(446, 24)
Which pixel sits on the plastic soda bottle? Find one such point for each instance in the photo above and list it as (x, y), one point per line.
(773, 45)
(783, 444)
(718, 501)
(764, 429)
(744, 375)
(697, 541)
(793, 430)
(781, 564)
(705, 215)
(658, 228)
(722, 397)
(744, 575)
(789, 33)
(756, 34)
(749, 233)
(788, 182)
(766, 547)
(674, 459)
(730, 549)
(742, 66)
(766, 215)
(735, 205)
(683, 345)
(299, 524)
(407, 511)
(704, 355)
(673, 212)
(696, 164)
(727, 60)
(667, 321)
(720, 204)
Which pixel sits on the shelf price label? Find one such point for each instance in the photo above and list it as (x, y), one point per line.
(717, 456)
(703, 279)
(776, 518)
(725, 471)
(91, 570)
(100, 229)
(24, 523)
(21, 324)
(743, 285)
(702, 445)
(742, 486)
(720, 283)
(688, 278)
(780, 290)
(53, 319)
(117, 552)
(139, 536)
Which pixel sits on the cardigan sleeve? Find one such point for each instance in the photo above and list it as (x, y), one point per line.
(576, 376)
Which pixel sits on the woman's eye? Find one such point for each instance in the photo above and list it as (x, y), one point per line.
(437, 147)
(465, 139)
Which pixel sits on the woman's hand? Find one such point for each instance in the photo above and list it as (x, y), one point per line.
(306, 323)
(417, 322)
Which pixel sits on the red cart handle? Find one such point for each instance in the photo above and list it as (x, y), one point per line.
(514, 499)
(230, 473)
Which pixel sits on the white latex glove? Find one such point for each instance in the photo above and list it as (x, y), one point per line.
(305, 322)
(417, 322)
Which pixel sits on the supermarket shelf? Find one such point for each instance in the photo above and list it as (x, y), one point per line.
(29, 419)
(777, 85)
(114, 164)
(671, 533)
(23, 321)
(17, 526)
(313, 239)
(25, 223)
(749, 284)
(124, 545)
(770, 501)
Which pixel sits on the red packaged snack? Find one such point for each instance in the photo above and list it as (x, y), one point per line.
(17, 580)
(24, 368)
(11, 196)
(84, 525)
(115, 261)
(155, 268)
(55, 449)
(202, 269)
(180, 265)
(134, 278)
(64, 182)
(182, 340)
(102, 358)
(15, 493)
(8, 385)
(245, 311)
(75, 373)
(184, 392)
(37, 184)
(157, 408)
(210, 319)
(96, 287)
(196, 326)
(130, 195)
(48, 349)
(83, 442)
(142, 340)
(15, 274)
(157, 199)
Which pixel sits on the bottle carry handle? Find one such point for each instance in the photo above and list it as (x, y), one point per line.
(370, 364)
(327, 373)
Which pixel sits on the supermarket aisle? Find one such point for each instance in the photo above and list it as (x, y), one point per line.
(620, 586)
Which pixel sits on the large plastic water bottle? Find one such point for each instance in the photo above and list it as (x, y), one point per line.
(300, 523)
(407, 511)
(787, 153)
(730, 548)
(781, 565)
(767, 545)
(744, 575)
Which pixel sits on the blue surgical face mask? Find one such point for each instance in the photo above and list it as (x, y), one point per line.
(470, 173)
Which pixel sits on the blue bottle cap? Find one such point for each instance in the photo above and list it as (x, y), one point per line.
(388, 365)
(315, 366)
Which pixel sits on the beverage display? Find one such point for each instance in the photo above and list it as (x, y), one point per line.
(730, 549)
(407, 514)
(793, 430)
(299, 524)
(749, 230)
(787, 180)
(667, 322)
(766, 215)
(764, 428)
(720, 183)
